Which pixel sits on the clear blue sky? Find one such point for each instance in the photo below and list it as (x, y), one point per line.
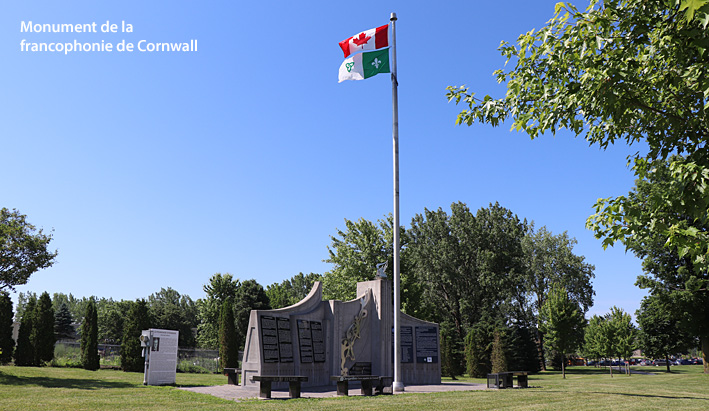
(161, 169)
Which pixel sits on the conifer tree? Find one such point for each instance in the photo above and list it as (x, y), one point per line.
(228, 348)
(497, 356)
(7, 344)
(89, 338)
(62, 323)
(24, 353)
(136, 321)
(43, 333)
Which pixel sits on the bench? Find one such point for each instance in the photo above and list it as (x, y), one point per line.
(504, 379)
(232, 375)
(292, 380)
(366, 380)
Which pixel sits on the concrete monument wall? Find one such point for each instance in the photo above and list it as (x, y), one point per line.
(319, 339)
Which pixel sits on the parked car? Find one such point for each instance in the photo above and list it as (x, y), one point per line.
(658, 363)
(698, 361)
(683, 361)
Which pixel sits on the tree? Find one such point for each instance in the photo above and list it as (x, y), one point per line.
(478, 347)
(89, 338)
(43, 333)
(24, 352)
(594, 339)
(669, 274)
(291, 291)
(63, 330)
(620, 334)
(137, 320)
(497, 355)
(562, 323)
(23, 249)
(171, 311)
(7, 344)
(467, 264)
(355, 253)
(660, 332)
(111, 319)
(228, 344)
(249, 296)
(550, 260)
(219, 289)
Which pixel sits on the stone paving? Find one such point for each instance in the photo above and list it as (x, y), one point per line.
(237, 392)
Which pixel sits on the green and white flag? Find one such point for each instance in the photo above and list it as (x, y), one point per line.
(364, 65)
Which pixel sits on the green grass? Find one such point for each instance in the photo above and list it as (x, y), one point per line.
(29, 388)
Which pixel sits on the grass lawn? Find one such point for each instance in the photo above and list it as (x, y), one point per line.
(29, 388)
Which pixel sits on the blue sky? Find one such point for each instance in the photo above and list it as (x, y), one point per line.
(161, 169)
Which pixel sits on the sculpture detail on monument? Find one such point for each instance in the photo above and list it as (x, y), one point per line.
(381, 267)
(352, 334)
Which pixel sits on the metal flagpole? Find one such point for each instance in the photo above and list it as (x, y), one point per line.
(398, 384)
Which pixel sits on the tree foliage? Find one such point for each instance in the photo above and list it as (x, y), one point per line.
(171, 311)
(219, 289)
(291, 291)
(25, 350)
(228, 348)
(137, 320)
(89, 338)
(63, 320)
(23, 249)
(43, 332)
(7, 344)
(562, 323)
(661, 334)
(249, 296)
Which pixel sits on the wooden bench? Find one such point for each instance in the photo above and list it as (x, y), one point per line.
(232, 375)
(292, 380)
(366, 380)
(504, 379)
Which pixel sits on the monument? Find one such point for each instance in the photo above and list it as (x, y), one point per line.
(320, 339)
(160, 352)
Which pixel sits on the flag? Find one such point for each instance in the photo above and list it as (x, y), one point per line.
(371, 39)
(364, 65)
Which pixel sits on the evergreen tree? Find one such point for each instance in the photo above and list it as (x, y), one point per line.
(7, 344)
(43, 333)
(228, 348)
(497, 356)
(89, 338)
(63, 330)
(478, 346)
(24, 353)
(451, 354)
(522, 350)
(138, 319)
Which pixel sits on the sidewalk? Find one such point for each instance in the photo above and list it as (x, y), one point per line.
(237, 392)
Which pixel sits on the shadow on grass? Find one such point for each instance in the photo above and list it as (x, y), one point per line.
(75, 383)
(669, 397)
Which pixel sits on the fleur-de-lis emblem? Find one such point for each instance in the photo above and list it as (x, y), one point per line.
(376, 62)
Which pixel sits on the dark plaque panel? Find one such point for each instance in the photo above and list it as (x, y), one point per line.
(426, 344)
(269, 338)
(305, 341)
(406, 342)
(285, 341)
(318, 341)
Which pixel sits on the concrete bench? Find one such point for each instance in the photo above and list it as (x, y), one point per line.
(292, 380)
(366, 380)
(232, 375)
(504, 379)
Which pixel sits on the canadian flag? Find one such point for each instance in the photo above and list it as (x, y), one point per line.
(371, 39)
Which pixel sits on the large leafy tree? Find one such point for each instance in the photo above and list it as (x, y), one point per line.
(249, 296)
(660, 332)
(171, 311)
(7, 344)
(23, 249)
(550, 260)
(292, 290)
(671, 275)
(467, 264)
(220, 288)
(562, 323)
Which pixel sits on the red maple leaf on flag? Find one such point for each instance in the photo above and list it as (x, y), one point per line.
(361, 40)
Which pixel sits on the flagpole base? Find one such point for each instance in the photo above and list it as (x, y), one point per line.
(398, 386)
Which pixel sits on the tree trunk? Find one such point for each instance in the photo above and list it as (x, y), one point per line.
(611, 367)
(667, 362)
(563, 366)
(705, 352)
(540, 350)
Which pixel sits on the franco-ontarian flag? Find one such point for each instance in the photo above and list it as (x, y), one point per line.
(364, 65)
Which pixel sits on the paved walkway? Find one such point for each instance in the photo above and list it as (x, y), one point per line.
(237, 392)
